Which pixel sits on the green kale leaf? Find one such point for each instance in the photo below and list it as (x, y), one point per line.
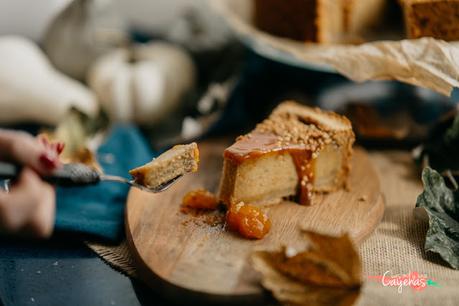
(442, 207)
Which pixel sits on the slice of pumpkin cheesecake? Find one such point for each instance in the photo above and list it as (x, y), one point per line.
(296, 152)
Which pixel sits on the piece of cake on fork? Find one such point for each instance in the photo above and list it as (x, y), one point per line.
(177, 161)
(297, 151)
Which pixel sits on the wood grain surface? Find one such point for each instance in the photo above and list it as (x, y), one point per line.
(195, 259)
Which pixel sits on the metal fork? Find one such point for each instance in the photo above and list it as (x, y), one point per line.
(76, 174)
(132, 183)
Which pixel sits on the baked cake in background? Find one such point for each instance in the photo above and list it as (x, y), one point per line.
(362, 16)
(341, 21)
(297, 151)
(304, 20)
(320, 21)
(432, 18)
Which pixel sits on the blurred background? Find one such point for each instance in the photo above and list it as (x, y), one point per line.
(175, 69)
(31, 18)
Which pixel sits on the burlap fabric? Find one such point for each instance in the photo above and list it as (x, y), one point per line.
(396, 245)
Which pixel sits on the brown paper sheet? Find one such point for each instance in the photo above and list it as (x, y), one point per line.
(424, 62)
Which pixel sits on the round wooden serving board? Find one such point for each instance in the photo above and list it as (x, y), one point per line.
(188, 259)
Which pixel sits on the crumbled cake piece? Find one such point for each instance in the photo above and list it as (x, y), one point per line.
(179, 160)
(297, 151)
(432, 18)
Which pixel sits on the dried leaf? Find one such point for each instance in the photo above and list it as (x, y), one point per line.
(329, 273)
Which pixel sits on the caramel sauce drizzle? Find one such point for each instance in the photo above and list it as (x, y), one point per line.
(258, 144)
(305, 170)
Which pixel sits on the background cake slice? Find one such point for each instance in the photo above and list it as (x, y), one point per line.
(305, 20)
(179, 160)
(432, 18)
(321, 21)
(297, 151)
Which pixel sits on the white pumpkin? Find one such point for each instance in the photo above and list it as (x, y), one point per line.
(142, 84)
(32, 90)
(83, 31)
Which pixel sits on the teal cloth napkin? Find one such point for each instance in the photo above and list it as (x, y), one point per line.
(98, 211)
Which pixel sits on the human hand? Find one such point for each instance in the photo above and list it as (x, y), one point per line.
(28, 209)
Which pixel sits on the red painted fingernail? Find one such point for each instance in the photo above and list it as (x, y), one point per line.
(60, 147)
(47, 161)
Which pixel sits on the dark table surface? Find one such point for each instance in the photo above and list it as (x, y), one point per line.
(64, 272)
